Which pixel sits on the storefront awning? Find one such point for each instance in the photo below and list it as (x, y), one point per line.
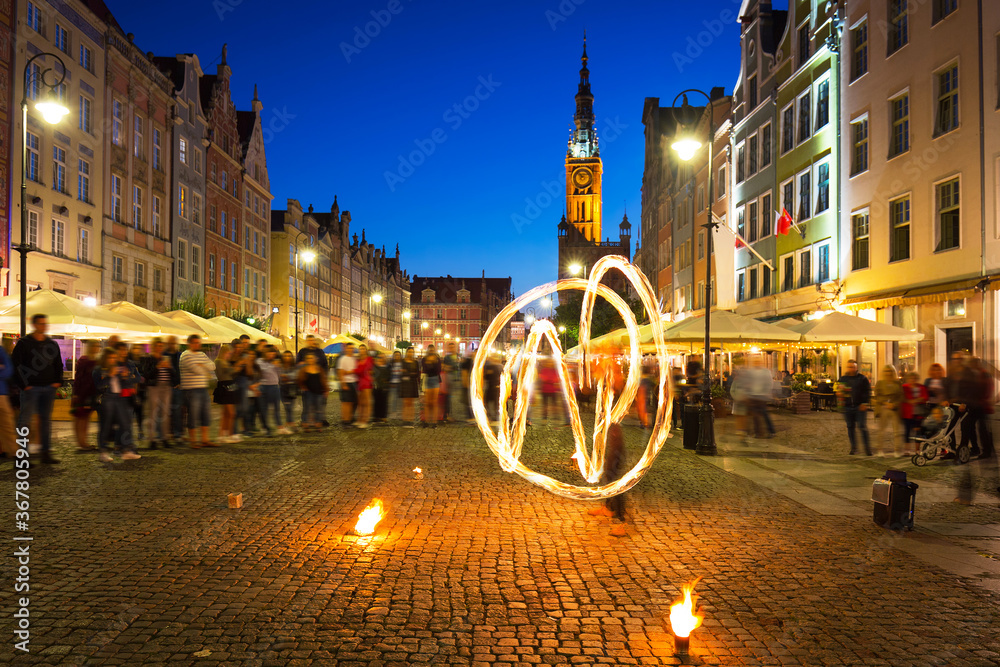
(959, 289)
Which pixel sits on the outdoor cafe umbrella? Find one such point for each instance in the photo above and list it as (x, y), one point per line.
(210, 332)
(727, 327)
(336, 344)
(68, 316)
(240, 328)
(155, 322)
(842, 329)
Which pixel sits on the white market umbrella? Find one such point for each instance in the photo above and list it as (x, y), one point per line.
(67, 316)
(209, 331)
(728, 327)
(158, 324)
(846, 329)
(241, 328)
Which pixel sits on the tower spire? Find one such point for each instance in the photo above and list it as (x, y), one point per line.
(584, 140)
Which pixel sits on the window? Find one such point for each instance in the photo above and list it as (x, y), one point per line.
(59, 169)
(752, 219)
(225, 182)
(741, 225)
(721, 187)
(805, 267)
(823, 263)
(246, 241)
(765, 216)
(804, 43)
(859, 241)
(223, 276)
(58, 237)
(948, 215)
(32, 80)
(157, 228)
(118, 269)
(898, 26)
(213, 173)
(83, 247)
(61, 39)
(765, 146)
(195, 263)
(234, 225)
(741, 163)
(33, 229)
(86, 114)
(899, 142)
(859, 56)
(765, 281)
(823, 103)
(116, 198)
(137, 137)
(223, 224)
(211, 218)
(211, 271)
(788, 196)
(805, 117)
(86, 58)
(942, 9)
(256, 242)
(822, 187)
(117, 116)
(140, 274)
(263, 246)
(33, 157)
(752, 279)
(196, 208)
(197, 161)
(752, 92)
(236, 289)
(182, 199)
(741, 286)
(955, 308)
(899, 221)
(34, 19)
(137, 207)
(181, 259)
(805, 196)
(788, 129)
(156, 149)
(157, 279)
(947, 101)
(183, 150)
(859, 141)
(752, 142)
(246, 282)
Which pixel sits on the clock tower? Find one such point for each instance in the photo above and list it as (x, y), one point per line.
(583, 163)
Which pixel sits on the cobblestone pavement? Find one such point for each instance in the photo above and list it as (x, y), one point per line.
(142, 563)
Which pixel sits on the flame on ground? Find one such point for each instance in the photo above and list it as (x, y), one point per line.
(369, 518)
(417, 470)
(683, 619)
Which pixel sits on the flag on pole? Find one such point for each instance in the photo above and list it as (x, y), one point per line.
(784, 222)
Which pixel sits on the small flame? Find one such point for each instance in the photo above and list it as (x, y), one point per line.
(369, 518)
(417, 470)
(683, 619)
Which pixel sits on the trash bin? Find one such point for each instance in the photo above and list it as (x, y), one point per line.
(690, 424)
(894, 499)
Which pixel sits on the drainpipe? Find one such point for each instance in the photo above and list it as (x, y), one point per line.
(982, 177)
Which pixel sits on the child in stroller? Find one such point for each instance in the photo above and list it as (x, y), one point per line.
(938, 436)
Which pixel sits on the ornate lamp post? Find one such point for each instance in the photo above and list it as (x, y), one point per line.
(52, 110)
(374, 298)
(308, 257)
(687, 146)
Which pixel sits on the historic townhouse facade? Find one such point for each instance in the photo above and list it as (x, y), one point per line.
(921, 175)
(187, 155)
(8, 21)
(65, 171)
(223, 238)
(458, 309)
(380, 293)
(256, 229)
(754, 139)
(292, 234)
(655, 252)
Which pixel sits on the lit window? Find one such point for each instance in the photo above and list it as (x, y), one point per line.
(58, 169)
(899, 220)
(32, 157)
(859, 57)
(859, 241)
(948, 210)
(899, 142)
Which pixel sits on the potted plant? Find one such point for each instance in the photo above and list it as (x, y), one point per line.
(720, 401)
(805, 362)
(801, 400)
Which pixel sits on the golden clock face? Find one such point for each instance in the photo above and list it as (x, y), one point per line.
(582, 178)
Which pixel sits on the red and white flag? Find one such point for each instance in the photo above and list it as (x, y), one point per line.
(784, 221)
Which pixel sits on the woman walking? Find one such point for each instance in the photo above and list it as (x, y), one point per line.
(431, 368)
(886, 399)
(226, 394)
(409, 385)
(380, 389)
(395, 375)
(936, 385)
(364, 373)
(112, 378)
(288, 379)
(270, 390)
(912, 410)
(312, 383)
(85, 394)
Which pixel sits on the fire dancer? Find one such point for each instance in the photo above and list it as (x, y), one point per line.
(614, 467)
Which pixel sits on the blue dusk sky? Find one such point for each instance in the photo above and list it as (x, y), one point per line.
(442, 125)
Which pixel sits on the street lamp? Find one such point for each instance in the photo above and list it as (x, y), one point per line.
(575, 269)
(547, 304)
(562, 335)
(375, 298)
(308, 256)
(52, 110)
(687, 146)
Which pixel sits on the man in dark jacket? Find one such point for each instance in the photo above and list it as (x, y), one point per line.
(160, 378)
(312, 348)
(857, 392)
(38, 371)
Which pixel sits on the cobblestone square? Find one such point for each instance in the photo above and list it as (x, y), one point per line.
(143, 563)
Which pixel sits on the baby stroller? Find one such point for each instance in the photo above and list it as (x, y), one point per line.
(942, 439)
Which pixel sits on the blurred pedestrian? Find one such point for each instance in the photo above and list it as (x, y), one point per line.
(614, 467)
(38, 371)
(986, 384)
(363, 371)
(312, 348)
(395, 391)
(115, 375)
(936, 385)
(431, 369)
(409, 386)
(857, 396)
(381, 375)
(312, 384)
(965, 392)
(270, 390)
(137, 397)
(160, 378)
(888, 396)
(177, 410)
(346, 366)
(760, 392)
(289, 378)
(548, 378)
(452, 374)
(913, 410)
(225, 395)
(8, 442)
(197, 373)
(84, 399)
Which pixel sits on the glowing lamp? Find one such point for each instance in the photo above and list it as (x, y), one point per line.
(89, 301)
(369, 518)
(562, 329)
(575, 269)
(424, 325)
(251, 320)
(437, 332)
(686, 148)
(275, 310)
(684, 619)
(52, 109)
(308, 256)
(377, 298)
(406, 314)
